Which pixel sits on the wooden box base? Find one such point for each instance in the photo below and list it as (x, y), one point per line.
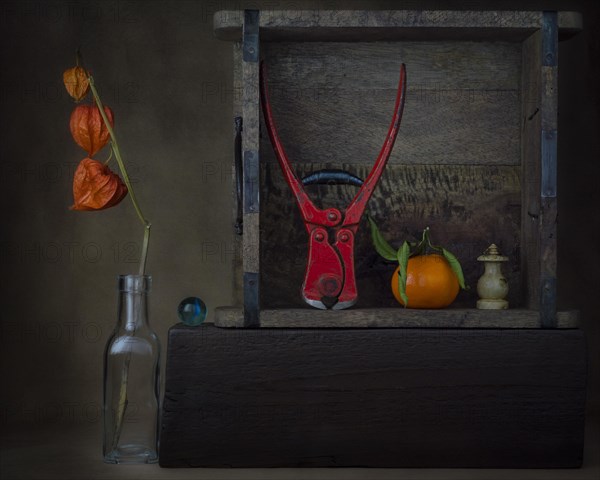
(492, 398)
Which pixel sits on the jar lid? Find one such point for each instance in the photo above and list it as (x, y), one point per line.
(492, 254)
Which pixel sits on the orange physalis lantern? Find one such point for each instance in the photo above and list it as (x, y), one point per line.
(76, 82)
(88, 129)
(96, 187)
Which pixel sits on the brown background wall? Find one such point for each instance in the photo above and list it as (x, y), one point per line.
(169, 82)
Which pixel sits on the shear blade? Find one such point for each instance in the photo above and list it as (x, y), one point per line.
(315, 303)
(343, 305)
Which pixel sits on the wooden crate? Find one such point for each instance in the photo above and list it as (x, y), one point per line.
(475, 159)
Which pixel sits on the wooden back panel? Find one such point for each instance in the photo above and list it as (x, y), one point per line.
(454, 168)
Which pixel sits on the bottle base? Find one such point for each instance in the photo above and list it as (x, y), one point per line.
(131, 454)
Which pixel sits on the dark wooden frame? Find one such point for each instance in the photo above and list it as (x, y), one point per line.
(536, 32)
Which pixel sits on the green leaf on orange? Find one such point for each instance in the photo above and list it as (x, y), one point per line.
(456, 268)
(381, 245)
(402, 256)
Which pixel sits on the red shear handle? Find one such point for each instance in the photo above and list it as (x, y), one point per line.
(310, 213)
(284, 163)
(358, 204)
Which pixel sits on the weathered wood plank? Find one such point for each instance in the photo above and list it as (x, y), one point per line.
(548, 262)
(531, 134)
(333, 102)
(231, 317)
(251, 134)
(299, 67)
(467, 207)
(539, 208)
(251, 247)
(236, 263)
(373, 25)
(373, 398)
(549, 169)
(436, 128)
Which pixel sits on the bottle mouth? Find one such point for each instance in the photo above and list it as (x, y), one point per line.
(135, 283)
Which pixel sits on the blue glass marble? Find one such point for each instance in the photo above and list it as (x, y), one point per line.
(192, 311)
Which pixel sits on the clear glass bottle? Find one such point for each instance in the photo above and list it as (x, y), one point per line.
(131, 379)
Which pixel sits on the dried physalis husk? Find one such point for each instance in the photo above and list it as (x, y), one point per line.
(76, 82)
(88, 129)
(96, 187)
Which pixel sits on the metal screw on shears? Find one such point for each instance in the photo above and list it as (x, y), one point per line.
(344, 237)
(319, 237)
(332, 216)
(329, 286)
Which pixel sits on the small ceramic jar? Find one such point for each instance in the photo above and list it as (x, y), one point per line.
(492, 287)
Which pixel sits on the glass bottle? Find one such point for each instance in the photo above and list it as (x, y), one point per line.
(131, 379)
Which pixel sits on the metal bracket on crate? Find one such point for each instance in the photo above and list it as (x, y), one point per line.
(239, 177)
(548, 174)
(250, 36)
(249, 153)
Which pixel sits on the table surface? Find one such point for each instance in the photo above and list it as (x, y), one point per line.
(64, 452)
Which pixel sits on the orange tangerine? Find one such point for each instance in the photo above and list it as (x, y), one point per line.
(430, 282)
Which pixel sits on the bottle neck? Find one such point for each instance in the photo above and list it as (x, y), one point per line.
(133, 302)
(133, 311)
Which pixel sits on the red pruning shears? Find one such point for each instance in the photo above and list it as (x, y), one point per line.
(329, 281)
